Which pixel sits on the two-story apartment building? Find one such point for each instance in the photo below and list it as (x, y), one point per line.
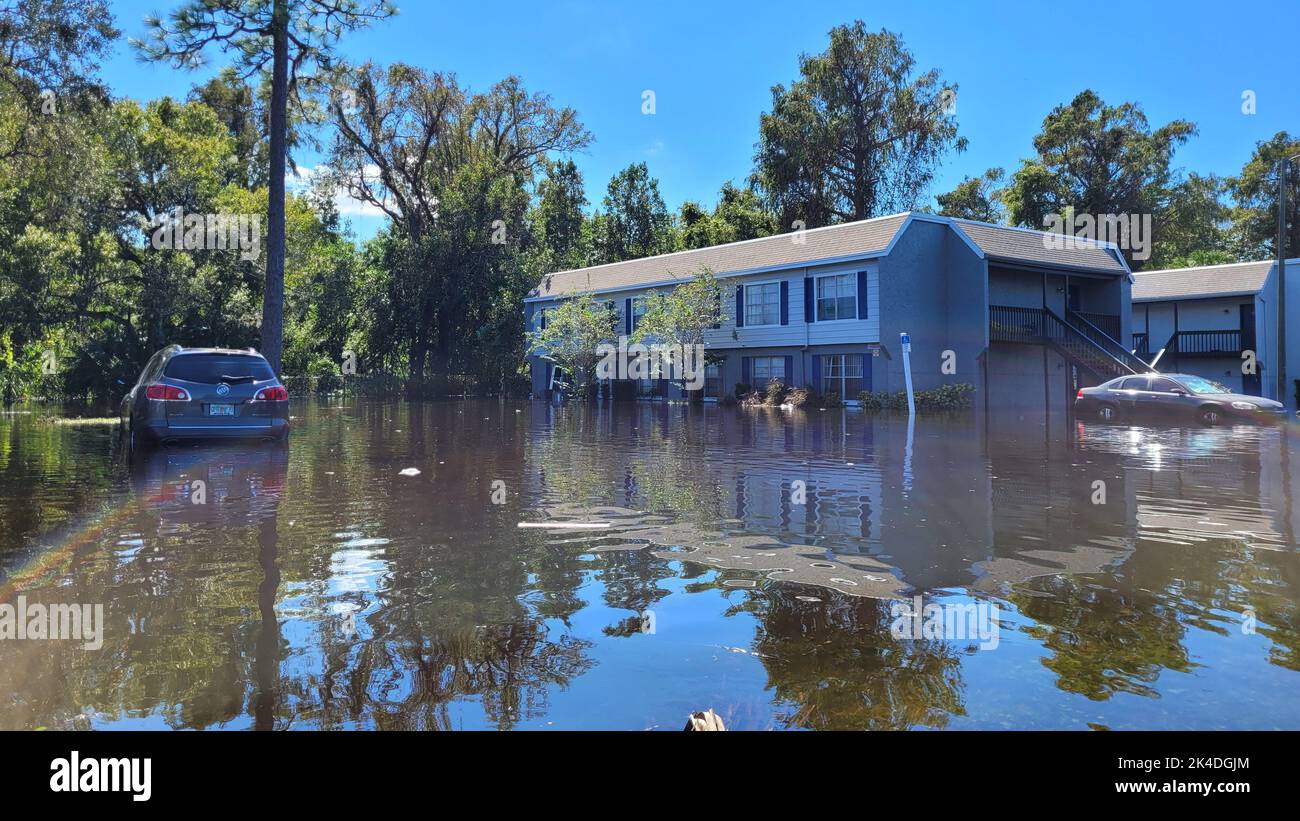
(1021, 314)
(1220, 322)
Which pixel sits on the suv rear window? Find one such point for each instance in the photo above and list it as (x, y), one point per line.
(211, 368)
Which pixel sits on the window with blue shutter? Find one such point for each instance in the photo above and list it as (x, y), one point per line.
(740, 306)
(789, 371)
(785, 302)
(808, 314)
(627, 316)
(746, 370)
(862, 294)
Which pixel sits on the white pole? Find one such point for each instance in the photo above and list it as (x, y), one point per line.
(906, 341)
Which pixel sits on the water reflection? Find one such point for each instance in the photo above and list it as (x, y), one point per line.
(749, 565)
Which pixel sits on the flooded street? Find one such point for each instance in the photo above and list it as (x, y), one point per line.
(743, 560)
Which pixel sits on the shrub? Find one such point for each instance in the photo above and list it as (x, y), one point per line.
(742, 389)
(830, 399)
(946, 398)
(798, 397)
(775, 392)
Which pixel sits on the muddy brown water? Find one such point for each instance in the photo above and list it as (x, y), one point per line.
(749, 561)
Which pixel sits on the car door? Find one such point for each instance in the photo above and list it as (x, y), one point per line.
(1163, 397)
(1125, 395)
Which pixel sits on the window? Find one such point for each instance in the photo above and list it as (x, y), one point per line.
(842, 374)
(1164, 386)
(837, 297)
(764, 369)
(1200, 385)
(763, 304)
(1134, 383)
(712, 381)
(210, 369)
(543, 318)
(638, 311)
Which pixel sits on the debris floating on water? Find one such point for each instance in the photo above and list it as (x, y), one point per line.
(409, 471)
(707, 721)
(569, 525)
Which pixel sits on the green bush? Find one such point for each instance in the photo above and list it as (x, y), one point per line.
(947, 398)
(775, 392)
(742, 390)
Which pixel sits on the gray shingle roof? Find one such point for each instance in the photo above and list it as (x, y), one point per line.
(833, 242)
(1203, 281)
(1025, 245)
(848, 240)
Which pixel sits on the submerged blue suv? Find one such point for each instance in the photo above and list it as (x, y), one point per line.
(206, 393)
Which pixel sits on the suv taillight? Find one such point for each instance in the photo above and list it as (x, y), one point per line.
(167, 393)
(272, 395)
(1079, 395)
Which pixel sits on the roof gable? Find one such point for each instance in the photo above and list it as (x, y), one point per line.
(811, 247)
(1203, 281)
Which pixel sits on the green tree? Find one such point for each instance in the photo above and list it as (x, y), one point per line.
(558, 218)
(974, 198)
(291, 40)
(49, 55)
(682, 315)
(635, 222)
(573, 332)
(243, 111)
(1194, 226)
(1095, 159)
(857, 135)
(739, 215)
(433, 157)
(1254, 195)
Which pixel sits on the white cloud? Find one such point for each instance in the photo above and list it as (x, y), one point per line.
(347, 205)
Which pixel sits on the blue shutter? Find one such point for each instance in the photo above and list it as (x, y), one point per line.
(747, 371)
(862, 294)
(817, 373)
(785, 302)
(809, 315)
(789, 371)
(866, 371)
(740, 306)
(543, 319)
(627, 316)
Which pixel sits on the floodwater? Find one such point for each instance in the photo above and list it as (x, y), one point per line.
(749, 561)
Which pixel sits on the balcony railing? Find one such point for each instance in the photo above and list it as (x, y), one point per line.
(1208, 343)
(1142, 345)
(1084, 345)
(1108, 323)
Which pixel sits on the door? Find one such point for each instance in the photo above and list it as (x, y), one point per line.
(1126, 394)
(1164, 397)
(1251, 383)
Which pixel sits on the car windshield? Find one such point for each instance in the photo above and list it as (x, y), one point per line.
(213, 368)
(1197, 384)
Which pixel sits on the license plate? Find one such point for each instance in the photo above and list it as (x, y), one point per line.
(221, 410)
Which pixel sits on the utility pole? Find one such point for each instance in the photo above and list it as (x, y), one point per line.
(1281, 280)
(1282, 392)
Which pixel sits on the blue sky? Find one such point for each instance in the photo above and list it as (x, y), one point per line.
(711, 66)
